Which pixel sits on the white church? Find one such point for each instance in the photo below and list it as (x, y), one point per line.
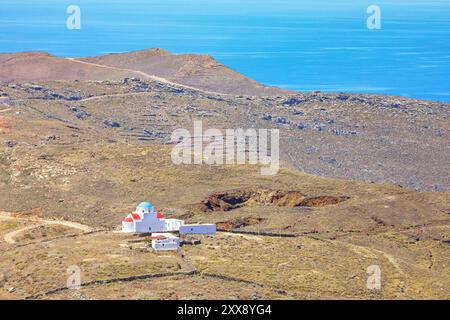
(146, 220)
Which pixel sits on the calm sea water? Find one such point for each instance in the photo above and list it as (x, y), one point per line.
(302, 45)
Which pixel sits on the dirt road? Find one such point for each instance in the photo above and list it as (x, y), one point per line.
(36, 222)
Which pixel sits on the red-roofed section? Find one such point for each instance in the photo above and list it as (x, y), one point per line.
(160, 215)
(127, 220)
(136, 216)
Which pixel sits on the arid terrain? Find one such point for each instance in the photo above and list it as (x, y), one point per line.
(365, 181)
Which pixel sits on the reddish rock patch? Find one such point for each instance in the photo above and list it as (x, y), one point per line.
(233, 199)
(322, 201)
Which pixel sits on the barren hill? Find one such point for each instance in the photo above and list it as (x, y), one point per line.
(196, 71)
(36, 66)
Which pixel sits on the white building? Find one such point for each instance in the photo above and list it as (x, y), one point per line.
(145, 219)
(207, 229)
(166, 241)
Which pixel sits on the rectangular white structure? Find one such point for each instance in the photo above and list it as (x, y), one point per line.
(173, 224)
(198, 229)
(170, 242)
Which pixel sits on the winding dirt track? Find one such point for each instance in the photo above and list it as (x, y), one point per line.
(35, 222)
(9, 237)
(144, 75)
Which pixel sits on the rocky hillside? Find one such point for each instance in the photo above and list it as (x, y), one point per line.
(372, 138)
(196, 71)
(353, 191)
(87, 152)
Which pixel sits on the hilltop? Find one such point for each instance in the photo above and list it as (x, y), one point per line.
(196, 71)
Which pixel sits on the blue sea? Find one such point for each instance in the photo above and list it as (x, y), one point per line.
(301, 45)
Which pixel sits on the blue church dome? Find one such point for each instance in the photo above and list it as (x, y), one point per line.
(145, 205)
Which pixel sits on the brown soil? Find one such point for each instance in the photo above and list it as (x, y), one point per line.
(239, 223)
(44, 232)
(233, 199)
(3, 124)
(322, 201)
